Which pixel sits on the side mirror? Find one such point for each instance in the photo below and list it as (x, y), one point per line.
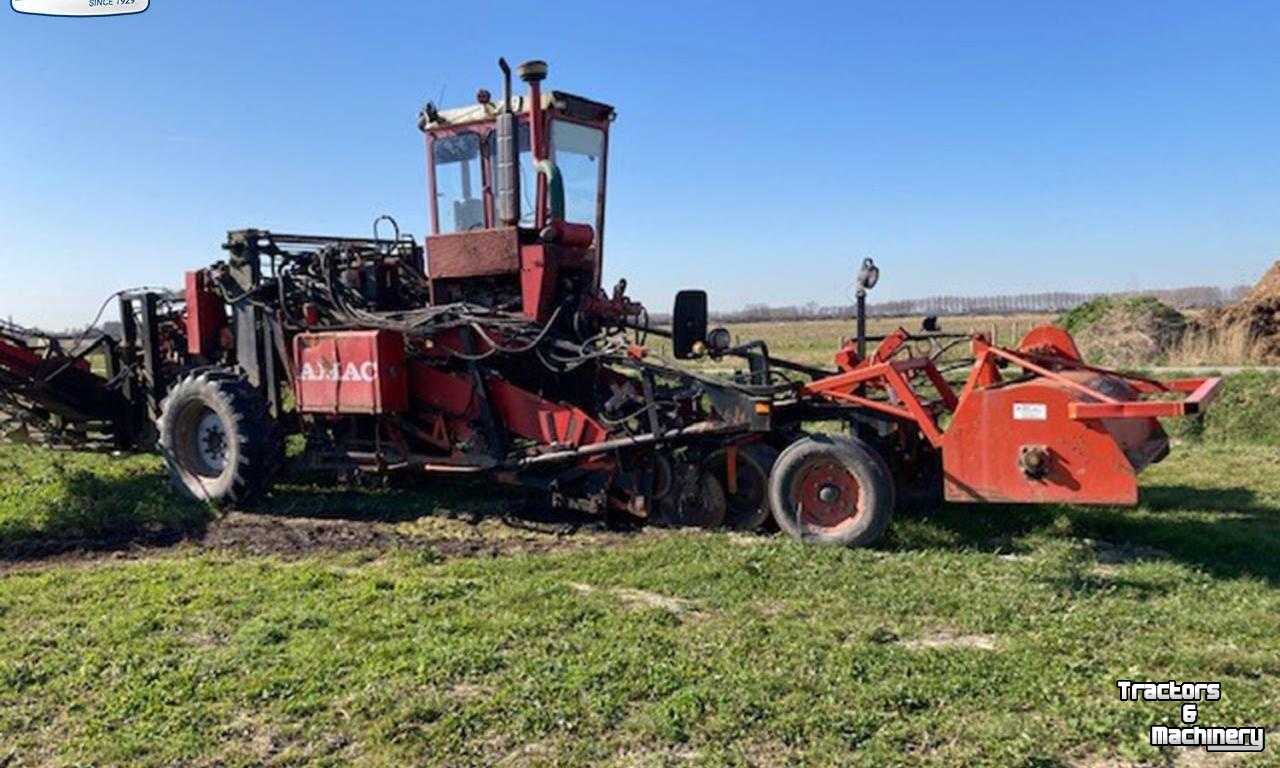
(868, 275)
(688, 323)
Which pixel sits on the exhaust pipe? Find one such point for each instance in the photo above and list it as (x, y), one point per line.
(549, 182)
(508, 171)
(533, 73)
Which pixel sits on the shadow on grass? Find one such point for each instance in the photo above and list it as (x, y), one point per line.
(1180, 498)
(76, 510)
(85, 512)
(389, 499)
(404, 498)
(1227, 533)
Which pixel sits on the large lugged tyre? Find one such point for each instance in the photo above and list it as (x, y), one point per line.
(218, 439)
(748, 503)
(832, 490)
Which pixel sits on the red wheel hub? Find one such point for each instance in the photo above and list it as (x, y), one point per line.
(827, 496)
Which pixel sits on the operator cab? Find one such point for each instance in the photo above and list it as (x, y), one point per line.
(516, 196)
(463, 155)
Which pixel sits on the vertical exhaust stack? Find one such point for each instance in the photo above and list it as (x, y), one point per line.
(508, 171)
(533, 73)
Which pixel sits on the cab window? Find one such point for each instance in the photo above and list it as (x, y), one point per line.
(577, 151)
(459, 182)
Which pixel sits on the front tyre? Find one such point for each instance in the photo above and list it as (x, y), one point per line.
(832, 490)
(218, 439)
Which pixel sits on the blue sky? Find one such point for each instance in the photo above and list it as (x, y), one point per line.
(761, 150)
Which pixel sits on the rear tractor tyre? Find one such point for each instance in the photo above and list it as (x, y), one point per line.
(832, 490)
(748, 499)
(218, 439)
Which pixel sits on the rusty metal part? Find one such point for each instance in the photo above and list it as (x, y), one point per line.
(1034, 461)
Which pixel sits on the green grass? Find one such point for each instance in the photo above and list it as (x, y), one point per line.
(769, 653)
(971, 635)
(816, 342)
(1087, 314)
(57, 501)
(1246, 411)
(91, 498)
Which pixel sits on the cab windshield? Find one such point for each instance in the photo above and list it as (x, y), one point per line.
(465, 163)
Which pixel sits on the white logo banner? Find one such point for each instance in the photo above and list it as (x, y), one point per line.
(80, 7)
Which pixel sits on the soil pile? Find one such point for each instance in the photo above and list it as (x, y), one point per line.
(1268, 287)
(1125, 332)
(1250, 327)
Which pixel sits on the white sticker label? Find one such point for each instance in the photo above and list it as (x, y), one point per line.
(1030, 412)
(79, 7)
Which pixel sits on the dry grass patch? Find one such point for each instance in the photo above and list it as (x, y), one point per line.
(949, 638)
(641, 598)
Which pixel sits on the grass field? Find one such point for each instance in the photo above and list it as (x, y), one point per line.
(972, 635)
(815, 342)
(442, 625)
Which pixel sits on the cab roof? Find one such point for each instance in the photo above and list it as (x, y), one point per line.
(565, 103)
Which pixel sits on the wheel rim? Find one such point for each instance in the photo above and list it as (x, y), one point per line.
(827, 497)
(211, 442)
(202, 446)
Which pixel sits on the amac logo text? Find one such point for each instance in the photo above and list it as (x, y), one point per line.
(366, 372)
(80, 7)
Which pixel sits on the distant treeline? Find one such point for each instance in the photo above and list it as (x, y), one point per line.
(1193, 297)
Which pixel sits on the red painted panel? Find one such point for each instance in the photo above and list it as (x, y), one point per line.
(19, 360)
(451, 393)
(520, 411)
(1087, 460)
(538, 274)
(351, 372)
(482, 253)
(206, 315)
(548, 422)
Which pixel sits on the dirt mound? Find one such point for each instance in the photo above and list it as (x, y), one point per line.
(1268, 287)
(1248, 331)
(1125, 332)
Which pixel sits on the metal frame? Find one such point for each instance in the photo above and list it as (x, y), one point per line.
(894, 376)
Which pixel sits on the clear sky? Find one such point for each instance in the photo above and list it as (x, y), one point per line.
(760, 150)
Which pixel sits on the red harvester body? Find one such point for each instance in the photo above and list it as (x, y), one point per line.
(490, 348)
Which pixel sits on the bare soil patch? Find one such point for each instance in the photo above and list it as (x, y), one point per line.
(292, 537)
